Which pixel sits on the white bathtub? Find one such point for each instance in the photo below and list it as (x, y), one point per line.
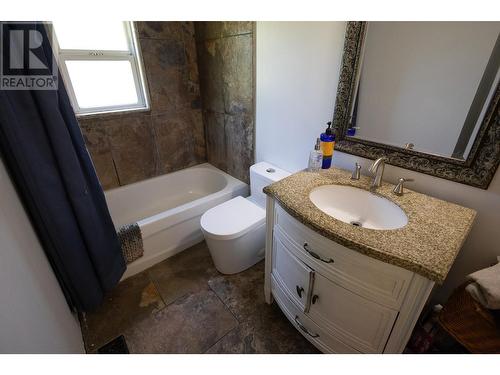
(168, 209)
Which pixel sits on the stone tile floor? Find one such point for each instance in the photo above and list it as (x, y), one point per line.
(183, 305)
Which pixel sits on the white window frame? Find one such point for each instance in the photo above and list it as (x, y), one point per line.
(133, 55)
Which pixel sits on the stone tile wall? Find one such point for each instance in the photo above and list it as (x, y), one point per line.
(225, 61)
(135, 146)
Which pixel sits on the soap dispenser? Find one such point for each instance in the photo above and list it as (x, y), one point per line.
(315, 158)
(327, 144)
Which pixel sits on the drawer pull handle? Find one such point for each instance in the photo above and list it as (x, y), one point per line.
(304, 329)
(314, 299)
(314, 255)
(300, 290)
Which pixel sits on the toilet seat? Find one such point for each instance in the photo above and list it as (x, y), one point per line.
(232, 219)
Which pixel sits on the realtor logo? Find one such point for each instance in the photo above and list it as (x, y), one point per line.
(24, 64)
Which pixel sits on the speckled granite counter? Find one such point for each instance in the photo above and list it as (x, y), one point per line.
(427, 245)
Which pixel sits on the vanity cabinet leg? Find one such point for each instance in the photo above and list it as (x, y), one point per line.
(269, 249)
(413, 304)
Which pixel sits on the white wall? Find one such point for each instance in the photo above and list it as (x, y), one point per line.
(296, 94)
(34, 316)
(297, 69)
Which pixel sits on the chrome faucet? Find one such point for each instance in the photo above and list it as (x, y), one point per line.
(377, 168)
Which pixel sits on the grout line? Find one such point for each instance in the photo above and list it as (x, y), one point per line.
(215, 343)
(164, 39)
(155, 284)
(116, 170)
(225, 305)
(157, 156)
(200, 41)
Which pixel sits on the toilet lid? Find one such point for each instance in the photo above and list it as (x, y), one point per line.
(232, 218)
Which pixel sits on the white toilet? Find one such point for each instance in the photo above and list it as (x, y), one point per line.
(235, 230)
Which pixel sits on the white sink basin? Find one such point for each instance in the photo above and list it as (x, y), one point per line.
(358, 207)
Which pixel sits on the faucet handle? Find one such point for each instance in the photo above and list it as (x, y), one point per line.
(399, 188)
(356, 172)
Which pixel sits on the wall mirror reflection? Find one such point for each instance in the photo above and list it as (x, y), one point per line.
(420, 90)
(425, 85)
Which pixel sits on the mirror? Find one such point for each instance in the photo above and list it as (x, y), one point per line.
(424, 94)
(424, 85)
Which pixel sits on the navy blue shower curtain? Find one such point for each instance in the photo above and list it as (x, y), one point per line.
(43, 148)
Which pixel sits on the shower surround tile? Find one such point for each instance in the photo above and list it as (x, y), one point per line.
(165, 64)
(161, 30)
(188, 34)
(239, 140)
(99, 147)
(225, 59)
(230, 28)
(211, 81)
(132, 146)
(176, 144)
(219, 29)
(216, 139)
(237, 73)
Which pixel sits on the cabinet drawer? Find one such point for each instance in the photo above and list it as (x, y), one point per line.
(368, 277)
(360, 323)
(294, 275)
(320, 338)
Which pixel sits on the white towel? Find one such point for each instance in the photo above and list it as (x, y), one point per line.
(486, 286)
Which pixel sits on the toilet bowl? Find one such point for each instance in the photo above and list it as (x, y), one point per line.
(235, 230)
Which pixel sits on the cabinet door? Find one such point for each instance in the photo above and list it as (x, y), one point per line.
(293, 275)
(380, 282)
(360, 323)
(322, 339)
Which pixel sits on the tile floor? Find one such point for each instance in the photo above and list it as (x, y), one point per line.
(183, 305)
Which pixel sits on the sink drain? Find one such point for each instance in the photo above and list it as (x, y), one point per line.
(356, 223)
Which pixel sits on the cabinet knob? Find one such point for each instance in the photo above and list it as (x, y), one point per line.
(300, 290)
(314, 299)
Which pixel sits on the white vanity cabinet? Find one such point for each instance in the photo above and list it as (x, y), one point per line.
(339, 299)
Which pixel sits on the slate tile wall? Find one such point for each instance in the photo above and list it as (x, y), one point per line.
(134, 146)
(225, 60)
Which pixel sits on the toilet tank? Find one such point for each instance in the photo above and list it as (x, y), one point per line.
(261, 175)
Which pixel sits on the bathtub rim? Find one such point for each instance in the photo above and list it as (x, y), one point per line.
(153, 224)
(206, 165)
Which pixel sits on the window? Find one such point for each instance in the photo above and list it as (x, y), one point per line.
(101, 66)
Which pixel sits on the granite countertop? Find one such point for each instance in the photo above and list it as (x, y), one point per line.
(427, 245)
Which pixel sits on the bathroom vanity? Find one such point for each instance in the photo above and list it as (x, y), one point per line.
(356, 285)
